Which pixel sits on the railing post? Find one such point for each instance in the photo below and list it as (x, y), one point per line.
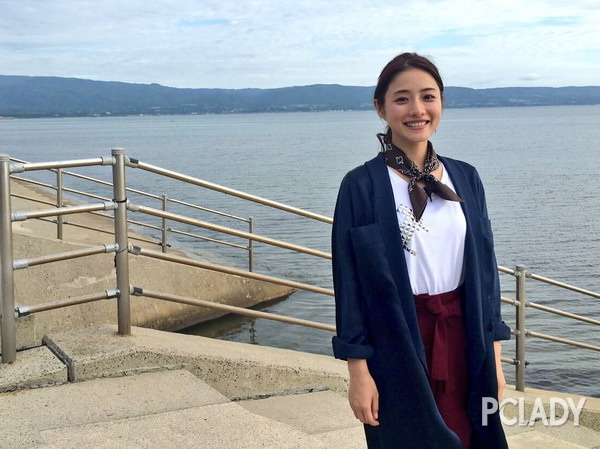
(165, 242)
(7, 277)
(250, 245)
(122, 256)
(521, 297)
(59, 203)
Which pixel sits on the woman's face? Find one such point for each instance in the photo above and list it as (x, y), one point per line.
(412, 108)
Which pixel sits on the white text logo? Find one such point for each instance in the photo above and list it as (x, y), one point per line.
(489, 406)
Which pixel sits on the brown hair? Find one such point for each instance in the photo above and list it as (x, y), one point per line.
(398, 65)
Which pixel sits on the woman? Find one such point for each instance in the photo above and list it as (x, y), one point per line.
(416, 280)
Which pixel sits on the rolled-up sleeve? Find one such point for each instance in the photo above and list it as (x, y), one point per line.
(500, 330)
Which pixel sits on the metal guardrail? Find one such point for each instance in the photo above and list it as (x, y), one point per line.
(164, 199)
(123, 249)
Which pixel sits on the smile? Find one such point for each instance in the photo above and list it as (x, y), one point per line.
(416, 124)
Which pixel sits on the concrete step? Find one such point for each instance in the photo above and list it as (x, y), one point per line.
(538, 440)
(325, 415)
(212, 427)
(174, 409)
(539, 436)
(167, 409)
(26, 414)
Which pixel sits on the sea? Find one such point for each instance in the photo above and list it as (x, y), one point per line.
(540, 167)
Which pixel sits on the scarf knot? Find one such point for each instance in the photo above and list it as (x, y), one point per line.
(399, 160)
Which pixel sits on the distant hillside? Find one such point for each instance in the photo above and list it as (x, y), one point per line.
(22, 96)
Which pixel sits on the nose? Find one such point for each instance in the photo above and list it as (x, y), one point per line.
(417, 108)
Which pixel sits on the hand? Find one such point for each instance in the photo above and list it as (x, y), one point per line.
(499, 370)
(362, 392)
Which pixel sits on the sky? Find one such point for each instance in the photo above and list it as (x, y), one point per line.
(268, 43)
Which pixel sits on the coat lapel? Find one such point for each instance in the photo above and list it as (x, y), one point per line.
(472, 308)
(385, 215)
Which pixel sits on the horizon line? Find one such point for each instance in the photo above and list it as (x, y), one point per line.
(283, 87)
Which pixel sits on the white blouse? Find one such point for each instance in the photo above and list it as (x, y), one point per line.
(433, 246)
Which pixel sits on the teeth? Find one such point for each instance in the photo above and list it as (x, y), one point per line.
(416, 124)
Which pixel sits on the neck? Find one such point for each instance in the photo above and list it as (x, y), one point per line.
(417, 152)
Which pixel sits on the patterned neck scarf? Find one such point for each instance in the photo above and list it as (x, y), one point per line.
(396, 158)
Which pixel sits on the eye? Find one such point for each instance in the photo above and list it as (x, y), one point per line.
(401, 100)
(429, 97)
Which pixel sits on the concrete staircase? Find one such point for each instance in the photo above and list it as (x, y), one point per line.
(175, 409)
(170, 409)
(92, 388)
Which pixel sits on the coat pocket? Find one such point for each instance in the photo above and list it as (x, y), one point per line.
(372, 266)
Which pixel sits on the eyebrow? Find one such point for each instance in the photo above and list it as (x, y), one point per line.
(405, 91)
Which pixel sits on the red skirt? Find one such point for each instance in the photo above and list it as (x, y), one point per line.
(443, 334)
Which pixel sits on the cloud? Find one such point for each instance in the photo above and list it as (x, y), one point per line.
(266, 43)
(204, 22)
(531, 77)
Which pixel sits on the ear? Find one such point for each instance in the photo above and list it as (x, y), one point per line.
(379, 108)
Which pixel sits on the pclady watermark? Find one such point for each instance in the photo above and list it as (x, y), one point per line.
(489, 406)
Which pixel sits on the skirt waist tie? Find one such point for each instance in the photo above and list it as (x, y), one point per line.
(443, 310)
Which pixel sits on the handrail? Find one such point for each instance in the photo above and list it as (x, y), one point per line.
(212, 186)
(103, 231)
(109, 184)
(506, 270)
(574, 316)
(19, 264)
(563, 340)
(206, 209)
(137, 223)
(164, 198)
(68, 210)
(31, 166)
(88, 195)
(563, 285)
(73, 301)
(29, 198)
(33, 181)
(226, 230)
(208, 239)
(137, 291)
(136, 250)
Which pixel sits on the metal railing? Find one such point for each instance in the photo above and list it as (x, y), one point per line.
(120, 205)
(165, 200)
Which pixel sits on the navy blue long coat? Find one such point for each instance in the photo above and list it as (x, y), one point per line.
(376, 317)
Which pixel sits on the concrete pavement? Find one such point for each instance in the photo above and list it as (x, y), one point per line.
(156, 389)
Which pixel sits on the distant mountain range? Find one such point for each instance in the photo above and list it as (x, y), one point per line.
(24, 96)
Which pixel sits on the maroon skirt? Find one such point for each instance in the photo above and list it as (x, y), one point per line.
(444, 337)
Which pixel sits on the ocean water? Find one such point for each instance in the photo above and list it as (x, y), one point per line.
(540, 167)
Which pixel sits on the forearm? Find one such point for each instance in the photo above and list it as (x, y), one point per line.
(499, 370)
(357, 367)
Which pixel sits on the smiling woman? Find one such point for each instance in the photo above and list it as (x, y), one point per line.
(412, 107)
(416, 287)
